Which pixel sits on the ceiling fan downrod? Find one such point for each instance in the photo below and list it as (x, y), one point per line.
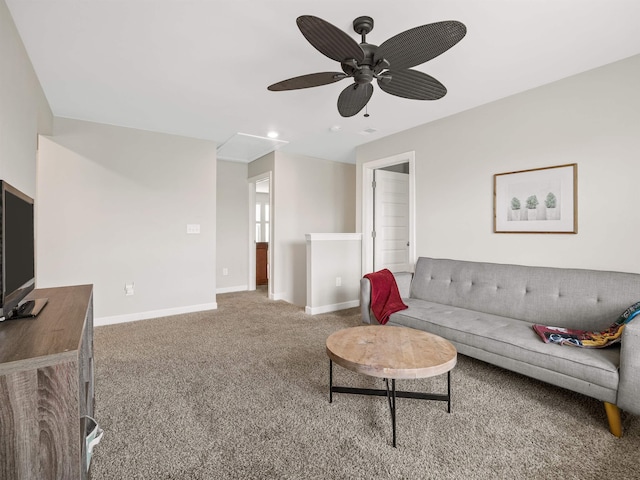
(362, 26)
(366, 71)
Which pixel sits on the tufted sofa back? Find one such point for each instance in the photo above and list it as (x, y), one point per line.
(571, 298)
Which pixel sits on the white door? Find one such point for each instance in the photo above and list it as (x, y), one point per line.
(391, 221)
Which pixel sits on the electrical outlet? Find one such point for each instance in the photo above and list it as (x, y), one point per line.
(338, 281)
(128, 289)
(225, 271)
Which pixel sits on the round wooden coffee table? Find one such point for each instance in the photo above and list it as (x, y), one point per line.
(391, 352)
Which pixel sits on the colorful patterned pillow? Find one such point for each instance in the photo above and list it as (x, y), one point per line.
(585, 338)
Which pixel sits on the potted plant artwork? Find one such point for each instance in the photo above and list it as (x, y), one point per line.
(550, 202)
(515, 209)
(532, 206)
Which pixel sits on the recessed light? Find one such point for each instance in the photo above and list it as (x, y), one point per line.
(273, 134)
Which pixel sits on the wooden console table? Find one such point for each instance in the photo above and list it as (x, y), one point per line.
(46, 387)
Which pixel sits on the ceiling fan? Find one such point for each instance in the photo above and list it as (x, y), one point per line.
(390, 63)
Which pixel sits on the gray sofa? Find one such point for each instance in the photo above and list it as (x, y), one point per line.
(486, 310)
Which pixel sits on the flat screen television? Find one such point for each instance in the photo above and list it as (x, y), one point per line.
(17, 244)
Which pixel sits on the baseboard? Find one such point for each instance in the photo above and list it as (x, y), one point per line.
(331, 308)
(237, 288)
(277, 296)
(132, 317)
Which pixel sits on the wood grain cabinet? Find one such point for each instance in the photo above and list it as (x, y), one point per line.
(262, 260)
(47, 388)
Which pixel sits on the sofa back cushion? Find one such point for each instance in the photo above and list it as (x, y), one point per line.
(561, 297)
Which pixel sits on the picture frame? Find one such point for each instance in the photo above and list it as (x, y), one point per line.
(539, 200)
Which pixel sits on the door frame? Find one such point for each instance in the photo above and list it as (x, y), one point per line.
(252, 231)
(367, 205)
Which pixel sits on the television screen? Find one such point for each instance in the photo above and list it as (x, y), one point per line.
(18, 242)
(17, 254)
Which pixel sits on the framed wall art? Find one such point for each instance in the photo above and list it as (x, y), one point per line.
(541, 200)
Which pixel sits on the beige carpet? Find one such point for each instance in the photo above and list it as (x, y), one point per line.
(242, 392)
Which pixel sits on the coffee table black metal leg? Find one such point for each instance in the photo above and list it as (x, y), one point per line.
(449, 391)
(391, 397)
(330, 381)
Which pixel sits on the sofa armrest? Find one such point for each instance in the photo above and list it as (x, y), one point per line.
(629, 385)
(365, 302)
(403, 280)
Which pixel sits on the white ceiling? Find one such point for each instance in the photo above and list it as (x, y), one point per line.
(201, 68)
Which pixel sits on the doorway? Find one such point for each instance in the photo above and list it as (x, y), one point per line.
(391, 218)
(388, 213)
(260, 234)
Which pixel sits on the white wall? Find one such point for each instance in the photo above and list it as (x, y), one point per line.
(590, 119)
(24, 111)
(232, 241)
(310, 196)
(113, 208)
(333, 258)
(262, 165)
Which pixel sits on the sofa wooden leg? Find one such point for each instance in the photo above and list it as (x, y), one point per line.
(613, 415)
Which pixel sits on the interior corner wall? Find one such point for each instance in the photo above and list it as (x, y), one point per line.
(232, 243)
(590, 119)
(311, 195)
(113, 208)
(24, 110)
(264, 164)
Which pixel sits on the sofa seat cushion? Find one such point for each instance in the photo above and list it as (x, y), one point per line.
(512, 339)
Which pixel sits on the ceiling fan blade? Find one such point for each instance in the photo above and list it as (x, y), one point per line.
(354, 98)
(420, 44)
(412, 84)
(328, 39)
(306, 81)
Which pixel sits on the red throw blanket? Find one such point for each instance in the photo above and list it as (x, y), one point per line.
(385, 297)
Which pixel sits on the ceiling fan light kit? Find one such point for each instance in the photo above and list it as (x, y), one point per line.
(390, 64)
